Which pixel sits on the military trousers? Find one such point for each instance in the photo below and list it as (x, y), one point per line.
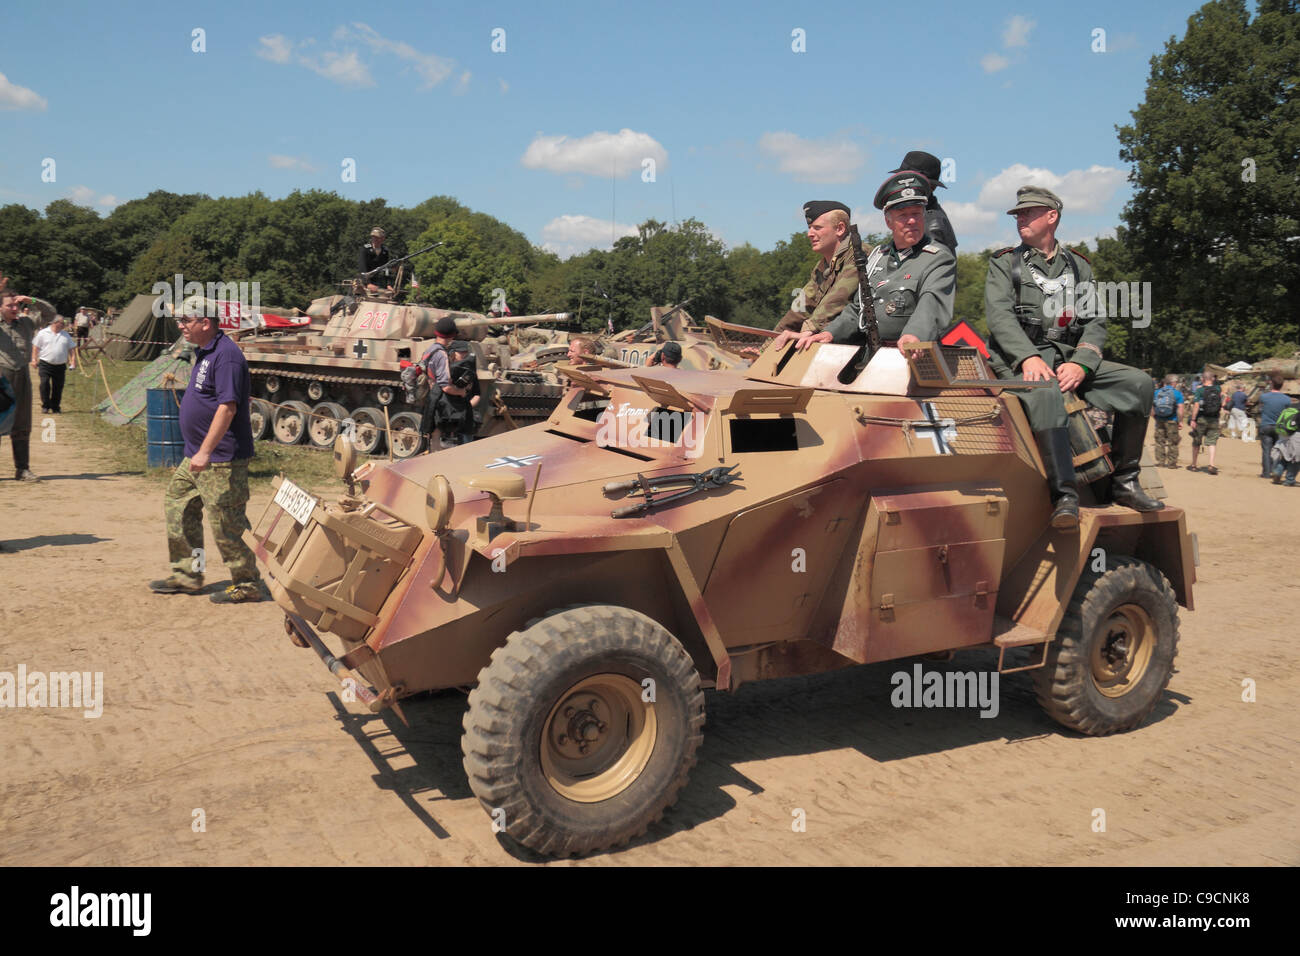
(221, 488)
(21, 433)
(1112, 387)
(1168, 435)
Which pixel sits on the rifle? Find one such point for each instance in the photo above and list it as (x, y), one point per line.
(393, 262)
(867, 320)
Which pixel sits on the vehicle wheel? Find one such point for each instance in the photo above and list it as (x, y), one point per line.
(368, 436)
(384, 395)
(316, 391)
(405, 439)
(323, 427)
(260, 414)
(560, 747)
(290, 422)
(1114, 652)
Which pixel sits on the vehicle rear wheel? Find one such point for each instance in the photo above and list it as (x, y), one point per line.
(260, 414)
(324, 425)
(405, 439)
(1114, 652)
(368, 436)
(583, 729)
(290, 422)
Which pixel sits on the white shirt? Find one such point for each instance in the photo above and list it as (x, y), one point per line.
(53, 347)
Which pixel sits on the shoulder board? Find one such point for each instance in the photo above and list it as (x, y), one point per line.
(930, 247)
(1080, 255)
(1003, 252)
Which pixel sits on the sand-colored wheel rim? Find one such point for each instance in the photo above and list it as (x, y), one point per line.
(1121, 651)
(598, 738)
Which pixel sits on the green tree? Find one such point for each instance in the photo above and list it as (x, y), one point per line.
(1215, 216)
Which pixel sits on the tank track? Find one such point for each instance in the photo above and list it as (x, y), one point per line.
(333, 379)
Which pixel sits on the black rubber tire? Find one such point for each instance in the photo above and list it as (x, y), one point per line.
(1065, 684)
(260, 414)
(528, 677)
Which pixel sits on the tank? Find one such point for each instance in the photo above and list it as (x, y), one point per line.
(344, 373)
(666, 531)
(713, 345)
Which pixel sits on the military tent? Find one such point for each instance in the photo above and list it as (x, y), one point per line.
(139, 335)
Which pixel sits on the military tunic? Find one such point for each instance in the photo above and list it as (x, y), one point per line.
(1073, 329)
(828, 290)
(15, 354)
(913, 293)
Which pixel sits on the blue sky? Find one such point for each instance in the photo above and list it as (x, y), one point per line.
(552, 133)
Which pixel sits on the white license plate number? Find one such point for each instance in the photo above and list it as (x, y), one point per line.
(295, 501)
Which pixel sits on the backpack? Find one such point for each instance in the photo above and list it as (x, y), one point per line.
(1288, 421)
(1211, 400)
(1166, 404)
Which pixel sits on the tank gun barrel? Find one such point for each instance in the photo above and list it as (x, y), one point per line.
(487, 320)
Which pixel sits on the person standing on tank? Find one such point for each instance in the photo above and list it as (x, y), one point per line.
(371, 256)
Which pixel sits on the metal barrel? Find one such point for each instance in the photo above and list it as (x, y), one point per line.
(165, 446)
(485, 321)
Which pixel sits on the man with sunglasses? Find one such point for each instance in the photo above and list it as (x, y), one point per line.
(214, 419)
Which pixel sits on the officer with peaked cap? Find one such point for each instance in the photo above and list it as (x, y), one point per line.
(937, 226)
(1046, 324)
(834, 279)
(912, 280)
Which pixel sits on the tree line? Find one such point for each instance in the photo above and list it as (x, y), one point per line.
(1214, 226)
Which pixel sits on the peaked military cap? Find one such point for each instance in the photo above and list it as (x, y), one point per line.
(460, 345)
(672, 351)
(902, 189)
(812, 211)
(1029, 196)
(922, 162)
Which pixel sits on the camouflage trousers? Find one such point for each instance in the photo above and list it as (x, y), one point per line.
(221, 488)
(1167, 439)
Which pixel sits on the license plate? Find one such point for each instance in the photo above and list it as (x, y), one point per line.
(295, 501)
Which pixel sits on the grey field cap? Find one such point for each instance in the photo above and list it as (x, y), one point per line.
(1029, 196)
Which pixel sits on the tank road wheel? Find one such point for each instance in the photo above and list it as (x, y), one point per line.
(290, 422)
(406, 439)
(315, 390)
(384, 395)
(323, 427)
(368, 436)
(1114, 652)
(260, 414)
(560, 738)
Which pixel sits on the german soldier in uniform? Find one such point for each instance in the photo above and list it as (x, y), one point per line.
(937, 226)
(371, 256)
(833, 280)
(913, 281)
(1038, 335)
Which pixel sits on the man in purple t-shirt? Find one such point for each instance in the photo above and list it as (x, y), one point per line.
(218, 437)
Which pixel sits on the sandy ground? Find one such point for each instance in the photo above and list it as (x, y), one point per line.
(211, 712)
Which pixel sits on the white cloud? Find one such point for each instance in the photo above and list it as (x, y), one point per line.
(279, 161)
(597, 154)
(1017, 31)
(85, 196)
(462, 83)
(571, 235)
(969, 218)
(1081, 190)
(505, 87)
(433, 69)
(344, 68)
(992, 62)
(275, 48)
(813, 160)
(15, 97)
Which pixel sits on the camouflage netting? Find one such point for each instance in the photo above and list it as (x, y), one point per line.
(127, 403)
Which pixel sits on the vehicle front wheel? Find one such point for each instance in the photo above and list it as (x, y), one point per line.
(582, 729)
(1114, 652)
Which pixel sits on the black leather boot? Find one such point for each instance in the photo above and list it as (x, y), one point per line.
(1058, 460)
(1127, 436)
